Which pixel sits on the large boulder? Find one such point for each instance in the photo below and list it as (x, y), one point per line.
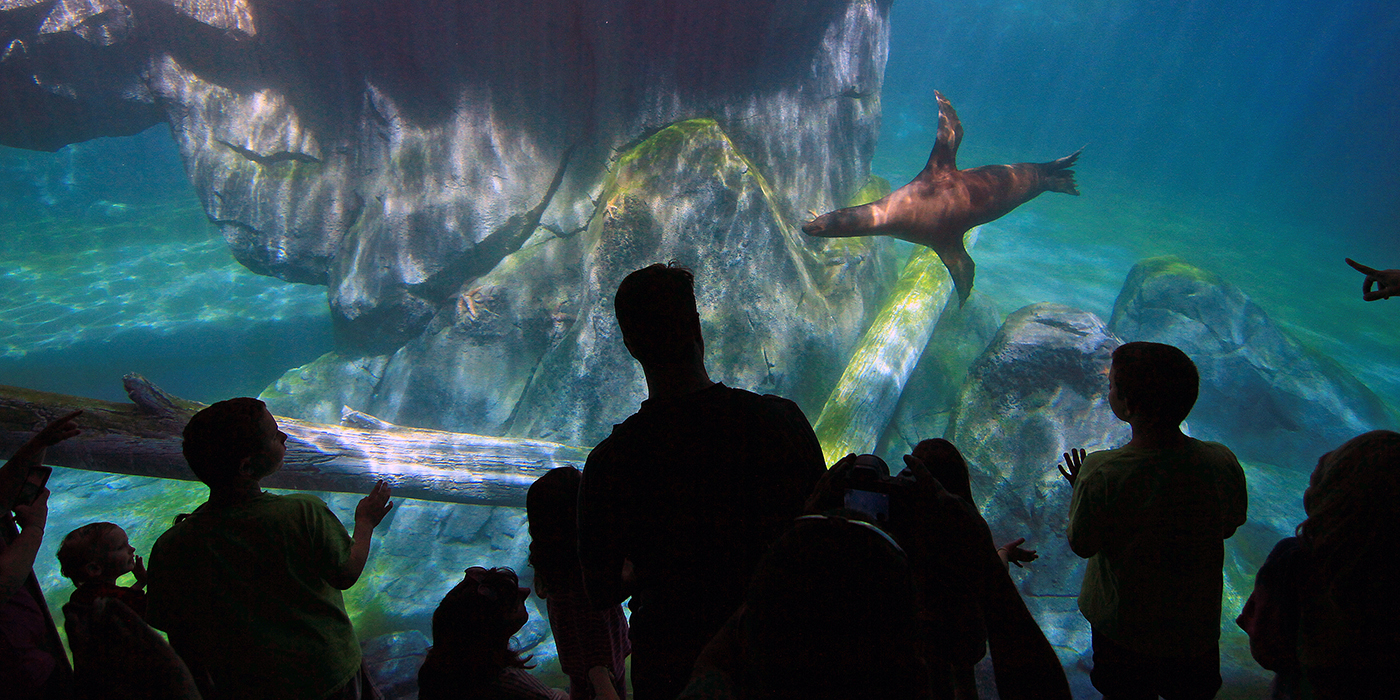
(1262, 392)
(396, 152)
(1039, 389)
(534, 350)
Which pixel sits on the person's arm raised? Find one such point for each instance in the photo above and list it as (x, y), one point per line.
(31, 454)
(368, 514)
(17, 559)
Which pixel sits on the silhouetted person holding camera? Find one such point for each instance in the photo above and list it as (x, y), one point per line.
(965, 602)
(830, 614)
(690, 490)
(1152, 518)
(32, 661)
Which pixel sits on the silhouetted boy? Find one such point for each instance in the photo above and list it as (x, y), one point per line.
(691, 489)
(1152, 517)
(248, 586)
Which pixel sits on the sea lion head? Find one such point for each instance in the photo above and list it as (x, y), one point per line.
(851, 221)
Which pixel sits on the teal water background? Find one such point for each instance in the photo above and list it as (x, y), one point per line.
(1253, 139)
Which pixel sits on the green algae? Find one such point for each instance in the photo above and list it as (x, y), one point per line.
(874, 189)
(1177, 267)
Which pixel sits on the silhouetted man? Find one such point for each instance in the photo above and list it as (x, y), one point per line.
(690, 490)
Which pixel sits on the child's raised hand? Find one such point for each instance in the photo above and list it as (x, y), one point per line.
(139, 571)
(1074, 459)
(375, 506)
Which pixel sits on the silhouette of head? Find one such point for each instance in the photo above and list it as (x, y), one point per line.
(655, 308)
(472, 627)
(829, 614)
(219, 439)
(946, 464)
(93, 550)
(1156, 382)
(1354, 489)
(551, 506)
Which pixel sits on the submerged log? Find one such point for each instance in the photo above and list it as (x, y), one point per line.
(864, 400)
(143, 438)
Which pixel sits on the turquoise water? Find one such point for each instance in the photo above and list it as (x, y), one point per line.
(1255, 140)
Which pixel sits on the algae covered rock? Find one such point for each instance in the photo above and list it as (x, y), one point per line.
(1262, 393)
(533, 348)
(1039, 389)
(772, 319)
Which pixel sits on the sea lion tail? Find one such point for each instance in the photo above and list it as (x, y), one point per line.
(1057, 176)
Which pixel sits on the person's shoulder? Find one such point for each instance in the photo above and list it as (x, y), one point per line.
(605, 453)
(287, 502)
(1214, 449)
(1105, 462)
(768, 404)
(1217, 455)
(296, 500)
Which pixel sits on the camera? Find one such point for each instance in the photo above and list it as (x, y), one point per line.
(869, 487)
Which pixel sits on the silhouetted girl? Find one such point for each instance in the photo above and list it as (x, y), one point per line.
(592, 643)
(471, 655)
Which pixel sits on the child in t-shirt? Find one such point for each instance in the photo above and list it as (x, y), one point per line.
(1152, 518)
(592, 644)
(94, 556)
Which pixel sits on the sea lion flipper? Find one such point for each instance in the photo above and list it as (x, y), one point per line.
(960, 267)
(1056, 175)
(945, 150)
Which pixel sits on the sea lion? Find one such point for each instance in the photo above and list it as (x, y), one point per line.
(942, 202)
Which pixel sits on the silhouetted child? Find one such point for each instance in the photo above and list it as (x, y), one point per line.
(94, 556)
(945, 462)
(471, 655)
(1152, 518)
(947, 465)
(592, 643)
(1323, 614)
(248, 587)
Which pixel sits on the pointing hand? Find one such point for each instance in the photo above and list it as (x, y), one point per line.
(1388, 281)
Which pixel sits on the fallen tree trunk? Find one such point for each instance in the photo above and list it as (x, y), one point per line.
(143, 438)
(864, 400)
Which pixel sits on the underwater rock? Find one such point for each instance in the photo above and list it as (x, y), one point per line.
(379, 148)
(776, 315)
(537, 333)
(69, 72)
(318, 391)
(469, 368)
(1039, 389)
(1262, 393)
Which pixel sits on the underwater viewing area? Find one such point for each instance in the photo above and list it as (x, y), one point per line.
(402, 225)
